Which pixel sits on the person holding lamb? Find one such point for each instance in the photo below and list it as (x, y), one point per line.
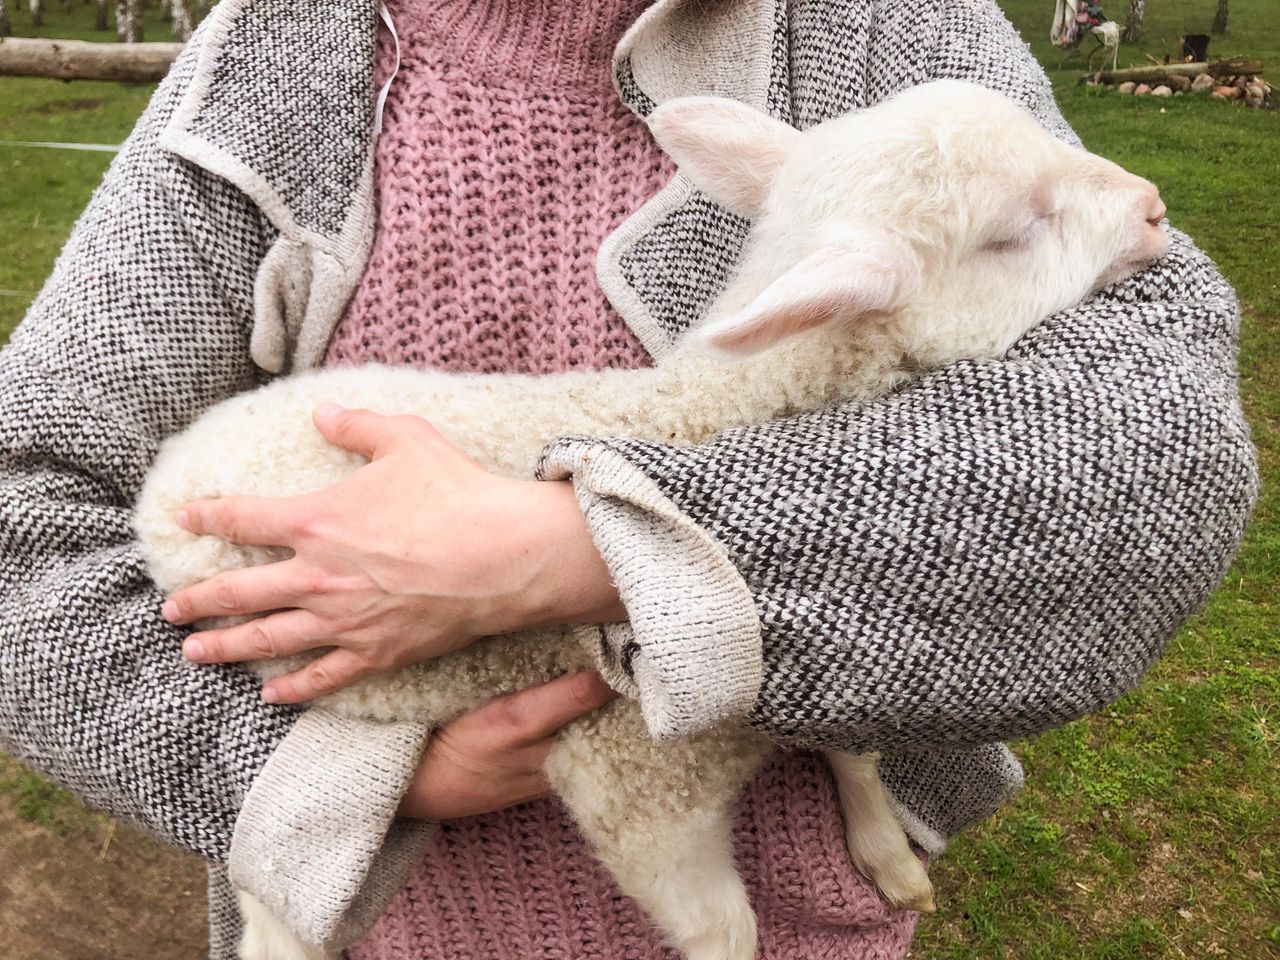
(998, 548)
(882, 246)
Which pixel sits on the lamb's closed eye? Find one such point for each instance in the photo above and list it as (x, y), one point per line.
(1022, 238)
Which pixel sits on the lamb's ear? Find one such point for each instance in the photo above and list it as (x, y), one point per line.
(837, 284)
(729, 150)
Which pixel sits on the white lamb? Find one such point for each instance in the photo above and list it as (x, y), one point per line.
(938, 226)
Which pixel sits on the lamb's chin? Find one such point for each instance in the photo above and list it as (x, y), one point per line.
(1152, 247)
(1123, 271)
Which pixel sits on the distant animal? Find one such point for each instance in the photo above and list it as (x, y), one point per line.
(935, 227)
(1107, 35)
(1195, 48)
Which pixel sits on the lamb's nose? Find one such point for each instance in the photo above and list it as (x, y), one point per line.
(1156, 211)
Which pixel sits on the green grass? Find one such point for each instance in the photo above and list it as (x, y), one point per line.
(40, 802)
(42, 191)
(77, 24)
(1150, 831)
(1153, 830)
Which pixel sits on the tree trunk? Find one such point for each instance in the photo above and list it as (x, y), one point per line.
(1158, 72)
(100, 21)
(79, 60)
(129, 21)
(1133, 23)
(6, 28)
(181, 20)
(37, 12)
(66, 5)
(1220, 18)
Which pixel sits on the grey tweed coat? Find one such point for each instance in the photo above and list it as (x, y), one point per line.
(1000, 548)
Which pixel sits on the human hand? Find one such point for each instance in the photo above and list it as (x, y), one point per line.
(492, 757)
(414, 555)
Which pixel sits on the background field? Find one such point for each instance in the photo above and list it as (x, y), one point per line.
(1151, 831)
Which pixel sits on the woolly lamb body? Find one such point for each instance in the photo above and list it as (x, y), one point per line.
(884, 242)
(658, 816)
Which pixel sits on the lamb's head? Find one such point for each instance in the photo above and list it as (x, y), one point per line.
(946, 216)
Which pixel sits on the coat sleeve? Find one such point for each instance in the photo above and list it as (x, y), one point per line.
(1002, 547)
(144, 323)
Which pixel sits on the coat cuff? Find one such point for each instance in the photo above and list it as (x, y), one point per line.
(691, 653)
(938, 793)
(317, 840)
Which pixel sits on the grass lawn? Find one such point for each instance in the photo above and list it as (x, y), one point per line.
(1152, 830)
(42, 190)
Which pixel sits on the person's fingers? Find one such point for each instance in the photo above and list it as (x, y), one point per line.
(444, 788)
(364, 432)
(255, 521)
(330, 672)
(241, 593)
(266, 638)
(539, 712)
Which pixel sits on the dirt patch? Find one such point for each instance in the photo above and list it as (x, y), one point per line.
(64, 106)
(117, 895)
(1154, 892)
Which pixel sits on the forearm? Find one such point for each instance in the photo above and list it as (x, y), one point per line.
(1001, 548)
(95, 693)
(144, 323)
(571, 583)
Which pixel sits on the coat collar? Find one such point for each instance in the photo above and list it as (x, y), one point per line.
(281, 104)
(281, 101)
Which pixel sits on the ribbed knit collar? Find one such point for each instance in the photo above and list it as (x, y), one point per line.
(557, 43)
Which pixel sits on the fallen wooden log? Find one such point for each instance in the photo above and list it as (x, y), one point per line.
(1216, 68)
(79, 60)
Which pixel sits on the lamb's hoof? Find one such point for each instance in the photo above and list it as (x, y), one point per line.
(921, 904)
(910, 890)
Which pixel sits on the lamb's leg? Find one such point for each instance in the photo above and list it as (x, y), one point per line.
(688, 884)
(660, 819)
(268, 938)
(877, 844)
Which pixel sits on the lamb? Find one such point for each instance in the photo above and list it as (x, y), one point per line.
(935, 227)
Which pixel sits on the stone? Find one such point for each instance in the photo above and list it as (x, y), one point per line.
(1127, 87)
(1227, 93)
(1162, 91)
(1179, 84)
(1142, 90)
(1202, 83)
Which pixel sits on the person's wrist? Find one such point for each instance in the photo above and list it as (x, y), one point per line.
(569, 580)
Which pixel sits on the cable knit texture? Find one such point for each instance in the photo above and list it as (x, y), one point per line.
(505, 159)
(520, 886)
(501, 122)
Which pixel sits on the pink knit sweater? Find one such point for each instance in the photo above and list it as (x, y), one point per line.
(496, 183)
